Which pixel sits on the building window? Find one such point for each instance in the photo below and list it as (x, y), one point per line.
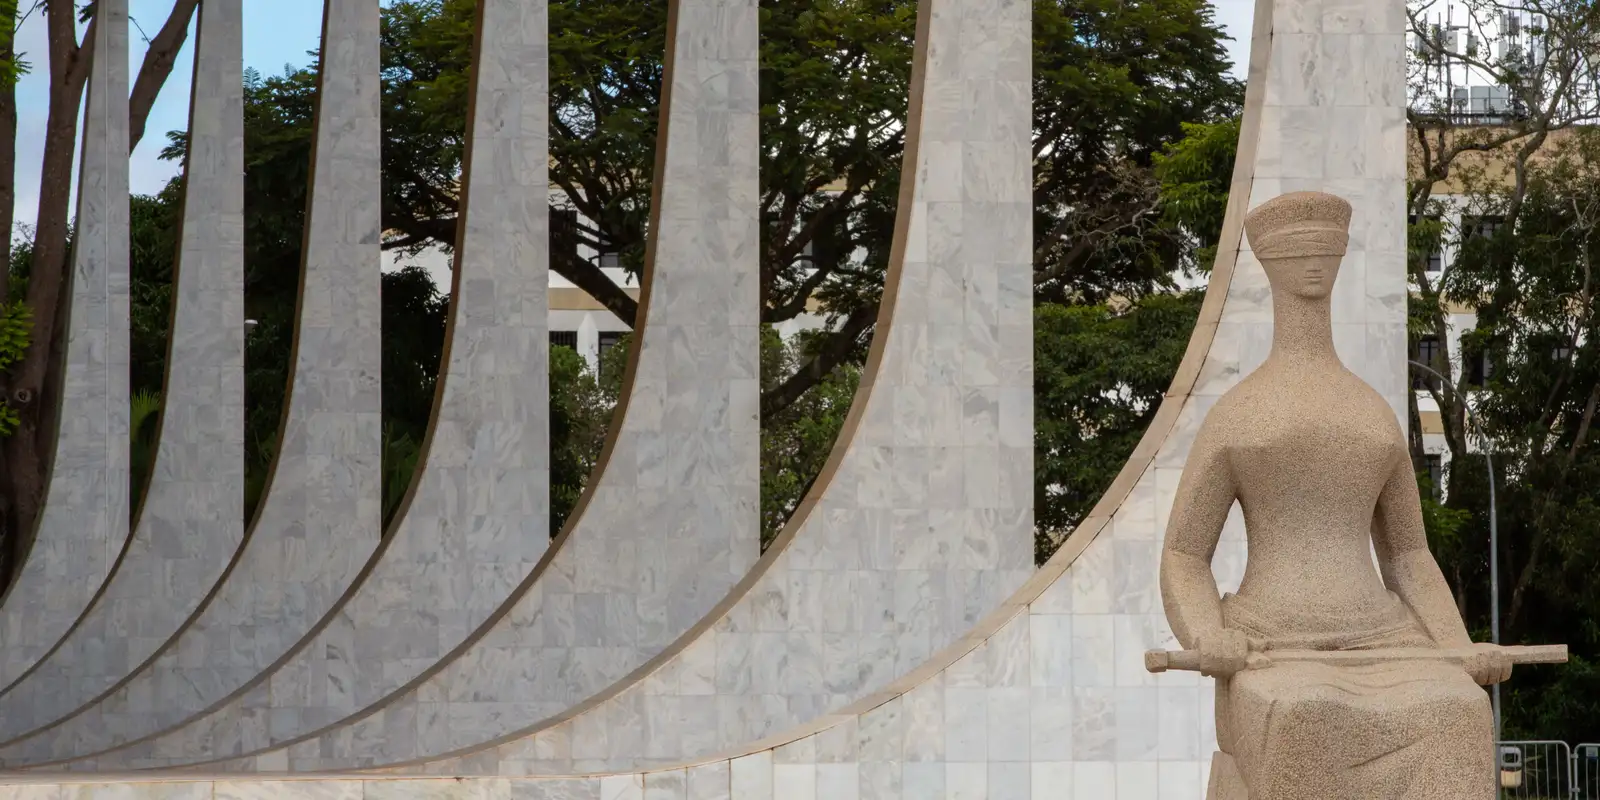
(1435, 257)
(1482, 227)
(1426, 351)
(608, 340)
(567, 339)
(1478, 369)
(610, 260)
(1435, 464)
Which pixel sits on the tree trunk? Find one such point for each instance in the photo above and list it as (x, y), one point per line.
(156, 67)
(37, 380)
(26, 449)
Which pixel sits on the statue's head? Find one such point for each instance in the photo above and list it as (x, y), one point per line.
(1300, 238)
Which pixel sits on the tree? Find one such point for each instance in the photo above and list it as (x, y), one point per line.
(1525, 280)
(798, 441)
(16, 328)
(1550, 88)
(1114, 83)
(1532, 288)
(581, 405)
(1099, 375)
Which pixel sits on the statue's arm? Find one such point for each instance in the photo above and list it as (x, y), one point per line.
(1409, 568)
(1205, 496)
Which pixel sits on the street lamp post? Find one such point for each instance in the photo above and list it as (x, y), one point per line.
(1494, 542)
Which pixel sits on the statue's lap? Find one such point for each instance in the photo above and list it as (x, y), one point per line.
(1412, 729)
(1404, 729)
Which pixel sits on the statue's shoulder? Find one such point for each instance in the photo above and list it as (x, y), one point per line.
(1245, 397)
(1237, 407)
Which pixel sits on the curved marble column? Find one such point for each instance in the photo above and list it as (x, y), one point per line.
(83, 523)
(192, 519)
(476, 519)
(922, 518)
(671, 522)
(319, 520)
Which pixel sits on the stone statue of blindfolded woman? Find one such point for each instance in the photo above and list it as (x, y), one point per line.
(1320, 466)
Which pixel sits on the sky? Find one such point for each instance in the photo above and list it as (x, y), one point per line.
(276, 33)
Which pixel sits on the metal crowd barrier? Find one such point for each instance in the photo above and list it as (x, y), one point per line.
(1547, 770)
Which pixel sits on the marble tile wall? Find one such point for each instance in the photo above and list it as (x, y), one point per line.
(83, 523)
(1046, 696)
(1053, 701)
(926, 521)
(477, 520)
(673, 521)
(319, 519)
(192, 518)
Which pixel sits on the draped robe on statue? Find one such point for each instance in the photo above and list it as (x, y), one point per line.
(1412, 729)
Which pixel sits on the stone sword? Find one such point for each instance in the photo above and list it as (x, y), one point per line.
(1164, 660)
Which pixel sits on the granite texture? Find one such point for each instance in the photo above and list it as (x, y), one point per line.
(83, 523)
(921, 522)
(477, 517)
(318, 522)
(672, 521)
(192, 519)
(1321, 468)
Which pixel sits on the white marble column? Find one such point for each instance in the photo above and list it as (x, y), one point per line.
(192, 519)
(83, 523)
(475, 520)
(920, 523)
(319, 519)
(670, 521)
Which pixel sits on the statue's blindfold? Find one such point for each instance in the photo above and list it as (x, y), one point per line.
(1302, 241)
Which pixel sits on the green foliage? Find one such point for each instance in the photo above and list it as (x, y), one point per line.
(12, 67)
(400, 457)
(1532, 286)
(16, 328)
(144, 417)
(796, 444)
(1442, 523)
(1195, 173)
(1114, 84)
(580, 412)
(1099, 375)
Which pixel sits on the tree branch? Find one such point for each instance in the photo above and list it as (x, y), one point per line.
(838, 348)
(597, 284)
(157, 66)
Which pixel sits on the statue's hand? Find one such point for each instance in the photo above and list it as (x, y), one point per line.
(1224, 653)
(1489, 664)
